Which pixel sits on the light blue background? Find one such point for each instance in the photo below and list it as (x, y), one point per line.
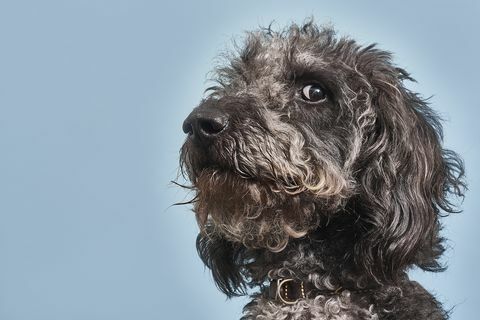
(92, 97)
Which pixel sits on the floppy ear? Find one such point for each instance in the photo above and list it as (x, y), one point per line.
(405, 178)
(226, 261)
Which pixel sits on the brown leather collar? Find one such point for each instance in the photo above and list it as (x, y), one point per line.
(290, 291)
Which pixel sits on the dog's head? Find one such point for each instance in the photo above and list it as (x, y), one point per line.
(303, 128)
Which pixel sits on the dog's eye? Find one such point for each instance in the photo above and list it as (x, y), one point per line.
(313, 93)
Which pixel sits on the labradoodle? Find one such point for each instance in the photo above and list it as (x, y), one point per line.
(319, 179)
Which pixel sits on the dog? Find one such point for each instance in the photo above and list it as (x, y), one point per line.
(319, 179)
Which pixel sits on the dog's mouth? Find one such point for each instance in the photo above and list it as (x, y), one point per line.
(201, 163)
(232, 172)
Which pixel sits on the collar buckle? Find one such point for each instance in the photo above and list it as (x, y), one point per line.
(285, 289)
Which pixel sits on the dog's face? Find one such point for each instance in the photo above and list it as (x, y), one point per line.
(303, 128)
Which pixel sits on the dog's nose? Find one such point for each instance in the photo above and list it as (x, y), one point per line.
(204, 125)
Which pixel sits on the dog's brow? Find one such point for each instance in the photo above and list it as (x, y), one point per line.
(299, 70)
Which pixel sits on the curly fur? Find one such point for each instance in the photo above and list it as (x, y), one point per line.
(345, 192)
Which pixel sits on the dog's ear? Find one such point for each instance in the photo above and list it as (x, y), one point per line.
(405, 179)
(225, 260)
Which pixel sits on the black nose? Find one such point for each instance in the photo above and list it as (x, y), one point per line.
(205, 125)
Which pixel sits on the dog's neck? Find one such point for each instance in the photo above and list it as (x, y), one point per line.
(323, 258)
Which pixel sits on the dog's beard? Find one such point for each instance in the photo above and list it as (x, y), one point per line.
(247, 211)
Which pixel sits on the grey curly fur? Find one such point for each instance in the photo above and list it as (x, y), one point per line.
(345, 192)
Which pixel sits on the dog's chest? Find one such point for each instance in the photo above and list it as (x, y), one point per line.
(320, 308)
